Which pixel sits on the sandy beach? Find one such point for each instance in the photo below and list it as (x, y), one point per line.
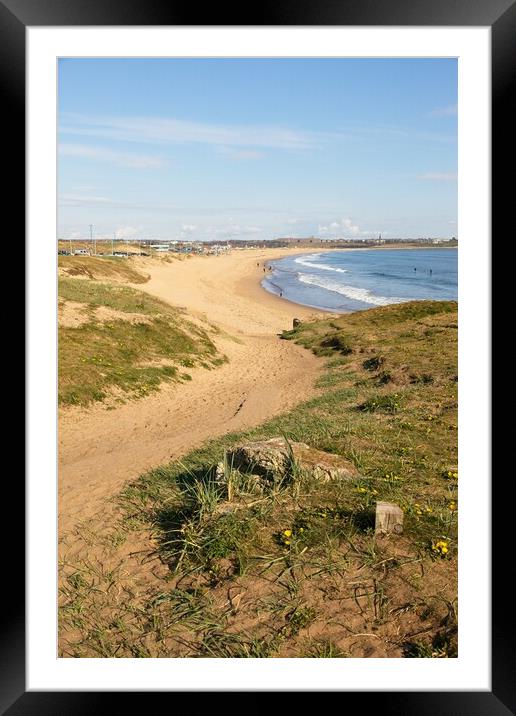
(256, 330)
(100, 450)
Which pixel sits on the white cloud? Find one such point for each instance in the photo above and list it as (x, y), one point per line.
(439, 176)
(345, 225)
(175, 131)
(235, 230)
(121, 159)
(128, 232)
(215, 232)
(347, 228)
(362, 132)
(101, 233)
(80, 200)
(187, 231)
(239, 154)
(449, 111)
(102, 202)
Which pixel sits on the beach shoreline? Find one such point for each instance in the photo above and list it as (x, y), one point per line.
(101, 450)
(250, 283)
(263, 373)
(360, 294)
(212, 285)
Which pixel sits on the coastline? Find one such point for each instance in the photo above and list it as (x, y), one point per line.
(264, 374)
(324, 310)
(227, 288)
(242, 279)
(269, 255)
(101, 450)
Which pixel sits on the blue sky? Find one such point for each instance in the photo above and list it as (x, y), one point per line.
(257, 148)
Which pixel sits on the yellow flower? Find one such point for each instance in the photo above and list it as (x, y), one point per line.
(441, 547)
(287, 533)
(287, 541)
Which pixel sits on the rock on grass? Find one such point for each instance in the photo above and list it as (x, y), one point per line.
(278, 459)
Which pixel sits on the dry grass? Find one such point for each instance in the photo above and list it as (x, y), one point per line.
(107, 268)
(235, 584)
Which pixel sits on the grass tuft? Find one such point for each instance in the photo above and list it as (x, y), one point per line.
(293, 568)
(142, 343)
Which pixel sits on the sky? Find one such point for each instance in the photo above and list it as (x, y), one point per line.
(218, 149)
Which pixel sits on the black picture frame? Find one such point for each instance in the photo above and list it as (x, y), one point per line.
(500, 16)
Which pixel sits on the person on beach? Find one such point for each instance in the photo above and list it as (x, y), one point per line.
(281, 294)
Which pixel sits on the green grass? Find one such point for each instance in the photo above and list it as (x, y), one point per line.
(316, 582)
(131, 357)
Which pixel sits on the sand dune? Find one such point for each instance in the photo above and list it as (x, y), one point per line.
(100, 450)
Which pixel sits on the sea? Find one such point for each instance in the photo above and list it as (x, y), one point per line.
(357, 279)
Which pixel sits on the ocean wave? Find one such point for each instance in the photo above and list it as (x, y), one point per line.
(303, 261)
(268, 282)
(357, 294)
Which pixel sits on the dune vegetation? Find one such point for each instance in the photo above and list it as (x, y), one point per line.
(292, 567)
(110, 268)
(116, 342)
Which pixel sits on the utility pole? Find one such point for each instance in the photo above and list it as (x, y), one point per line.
(91, 239)
(113, 244)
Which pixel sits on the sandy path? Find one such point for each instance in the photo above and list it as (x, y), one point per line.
(100, 450)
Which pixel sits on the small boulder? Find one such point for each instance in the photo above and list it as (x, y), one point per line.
(276, 459)
(296, 322)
